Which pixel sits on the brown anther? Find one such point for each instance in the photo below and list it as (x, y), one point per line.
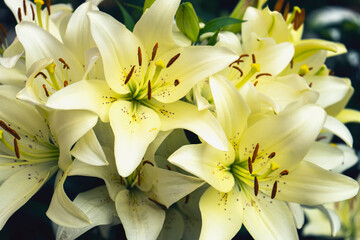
(292, 63)
(9, 130)
(149, 90)
(284, 173)
(66, 83)
(24, 7)
(16, 148)
(310, 85)
(147, 162)
(154, 51)
(253, 58)
(187, 198)
(47, 2)
(241, 56)
(19, 14)
(1, 42)
(139, 178)
(271, 155)
(255, 153)
(42, 74)
(286, 10)
(250, 167)
(168, 167)
(62, 60)
(256, 186)
(311, 68)
(129, 75)
(274, 190)
(176, 82)
(46, 91)
(121, 180)
(159, 204)
(278, 6)
(237, 68)
(302, 17)
(320, 138)
(255, 83)
(263, 74)
(172, 60)
(139, 56)
(331, 72)
(32, 12)
(2, 28)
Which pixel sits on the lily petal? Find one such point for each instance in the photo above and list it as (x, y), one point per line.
(184, 115)
(208, 163)
(141, 217)
(221, 213)
(339, 129)
(349, 115)
(134, 127)
(325, 155)
(326, 187)
(174, 226)
(93, 95)
(155, 25)
(350, 158)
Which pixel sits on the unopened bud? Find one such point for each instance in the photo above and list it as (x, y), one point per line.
(187, 21)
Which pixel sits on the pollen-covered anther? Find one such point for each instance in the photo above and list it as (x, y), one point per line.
(149, 90)
(172, 60)
(155, 48)
(19, 14)
(65, 65)
(255, 153)
(284, 173)
(128, 77)
(147, 162)
(24, 7)
(274, 190)
(239, 69)
(9, 130)
(278, 6)
(271, 155)
(41, 74)
(45, 90)
(176, 82)
(16, 148)
(286, 10)
(256, 186)
(66, 83)
(250, 166)
(253, 58)
(139, 56)
(239, 60)
(139, 178)
(263, 74)
(47, 2)
(32, 12)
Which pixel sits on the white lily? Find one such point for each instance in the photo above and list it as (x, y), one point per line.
(262, 171)
(146, 74)
(30, 152)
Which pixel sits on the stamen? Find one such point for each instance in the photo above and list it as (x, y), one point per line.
(19, 15)
(320, 138)
(284, 173)
(187, 198)
(1, 42)
(24, 7)
(237, 68)
(168, 167)
(121, 180)
(154, 51)
(310, 85)
(263, 74)
(139, 56)
(271, 155)
(256, 83)
(46, 91)
(250, 167)
(32, 12)
(278, 6)
(255, 153)
(256, 186)
(240, 57)
(274, 190)
(139, 178)
(292, 63)
(42, 74)
(129, 75)
(286, 10)
(47, 2)
(176, 82)
(172, 60)
(9, 130)
(39, 3)
(159, 204)
(253, 58)
(148, 162)
(65, 65)
(149, 90)
(16, 148)
(66, 83)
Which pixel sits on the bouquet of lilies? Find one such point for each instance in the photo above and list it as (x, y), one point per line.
(196, 128)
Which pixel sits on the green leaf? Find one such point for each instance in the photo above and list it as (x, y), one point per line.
(220, 22)
(239, 12)
(213, 39)
(128, 21)
(137, 8)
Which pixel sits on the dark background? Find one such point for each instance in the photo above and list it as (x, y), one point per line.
(30, 221)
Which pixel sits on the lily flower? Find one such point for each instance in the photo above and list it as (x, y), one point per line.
(263, 170)
(146, 75)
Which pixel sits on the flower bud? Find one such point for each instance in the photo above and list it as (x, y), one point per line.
(187, 21)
